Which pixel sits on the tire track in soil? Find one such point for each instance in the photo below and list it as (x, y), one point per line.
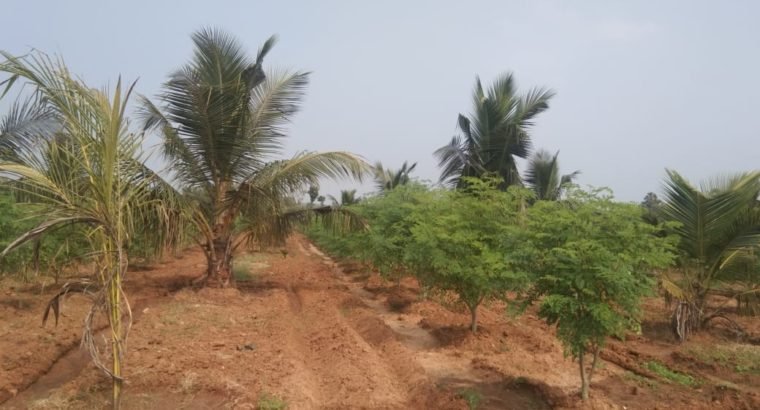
(336, 366)
(446, 369)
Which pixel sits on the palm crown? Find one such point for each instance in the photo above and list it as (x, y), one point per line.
(494, 134)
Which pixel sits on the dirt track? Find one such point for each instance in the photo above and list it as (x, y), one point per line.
(319, 335)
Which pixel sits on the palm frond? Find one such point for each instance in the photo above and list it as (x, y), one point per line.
(496, 133)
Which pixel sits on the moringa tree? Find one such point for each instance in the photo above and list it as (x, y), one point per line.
(222, 119)
(592, 259)
(494, 134)
(543, 176)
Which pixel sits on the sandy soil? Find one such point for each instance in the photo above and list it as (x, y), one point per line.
(326, 335)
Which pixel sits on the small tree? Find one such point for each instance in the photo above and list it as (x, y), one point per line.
(313, 194)
(321, 200)
(389, 235)
(459, 242)
(592, 258)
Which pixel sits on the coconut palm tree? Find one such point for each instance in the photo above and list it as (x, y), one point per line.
(718, 226)
(73, 153)
(543, 177)
(222, 118)
(347, 197)
(494, 134)
(386, 179)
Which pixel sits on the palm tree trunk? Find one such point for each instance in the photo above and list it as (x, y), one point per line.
(220, 263)
(220, 251)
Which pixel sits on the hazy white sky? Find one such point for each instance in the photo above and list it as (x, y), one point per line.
(641, 86)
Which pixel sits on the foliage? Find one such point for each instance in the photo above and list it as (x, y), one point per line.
(740, 358)
(387, 241)
(592, 258)
(543, 177)
(383, 244)
(223, 118)
(719, 229)
(494, 134)
(461, 242)
(47, 255)
(664, 372)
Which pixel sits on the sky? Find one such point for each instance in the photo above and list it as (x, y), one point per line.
(641, 86)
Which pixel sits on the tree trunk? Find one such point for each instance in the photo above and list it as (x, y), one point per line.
(220, 264)
(584, 379)
(686, 319)
(593, 364)
(220, 251)
(474, 318)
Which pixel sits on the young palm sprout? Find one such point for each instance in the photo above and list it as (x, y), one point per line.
(73, 153)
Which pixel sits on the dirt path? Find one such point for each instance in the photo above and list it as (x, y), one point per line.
(450, 370)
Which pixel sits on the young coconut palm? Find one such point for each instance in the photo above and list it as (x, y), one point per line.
(718, 226)
(543, 177)
(386, 179)
(222, 120)
(495, 133)
(75, 156)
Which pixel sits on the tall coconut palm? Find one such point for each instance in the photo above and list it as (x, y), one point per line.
(386, 178)
(223, 120)
(494, 134)
(718, 225)
(74, 154)
(543, 177)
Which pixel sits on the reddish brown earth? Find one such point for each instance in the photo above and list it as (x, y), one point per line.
(323, 335)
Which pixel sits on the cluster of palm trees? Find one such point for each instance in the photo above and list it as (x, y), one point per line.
(496, 134)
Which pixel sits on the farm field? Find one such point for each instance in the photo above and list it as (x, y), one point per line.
(304, 331)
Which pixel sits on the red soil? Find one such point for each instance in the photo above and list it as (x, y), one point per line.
(322, 335)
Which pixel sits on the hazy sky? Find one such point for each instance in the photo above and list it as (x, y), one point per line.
(641, 86)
